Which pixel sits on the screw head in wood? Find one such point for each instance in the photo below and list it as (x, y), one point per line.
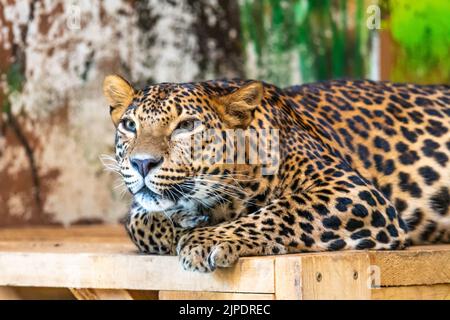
(318, 276)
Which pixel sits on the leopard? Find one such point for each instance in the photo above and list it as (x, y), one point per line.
(351, 165)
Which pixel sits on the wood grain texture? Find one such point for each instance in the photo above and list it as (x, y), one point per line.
(195, 295)
(101, 294)
(288, 278)
(144, 294)
(342, 276)
(113, 294)
(102, 257)
(129, 271)
(9, 293)
(415, 266)
(35, 293)
(323, 276)
(431, 292)
(93, 233)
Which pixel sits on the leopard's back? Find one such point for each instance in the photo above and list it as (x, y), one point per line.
(397, 136)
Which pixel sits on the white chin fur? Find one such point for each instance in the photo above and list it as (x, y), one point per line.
(151, 204)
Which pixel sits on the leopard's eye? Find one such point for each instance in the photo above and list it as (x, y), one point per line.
(187, 125)
(129, 125)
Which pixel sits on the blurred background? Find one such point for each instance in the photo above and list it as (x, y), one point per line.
(54, 121)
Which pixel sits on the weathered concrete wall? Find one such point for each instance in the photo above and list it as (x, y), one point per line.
(54, 123)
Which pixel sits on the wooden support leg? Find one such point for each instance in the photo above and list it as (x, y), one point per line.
(9, 293)
(343, 276)
(101, 294)
(113, 294)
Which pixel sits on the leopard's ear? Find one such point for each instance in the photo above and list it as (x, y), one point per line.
(119, 94)
(236, 109)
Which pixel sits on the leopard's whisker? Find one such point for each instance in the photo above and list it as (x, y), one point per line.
(183, 194)
(230, 186)
(214, 193)
(225, 189)
(192, 183)
(110, 163)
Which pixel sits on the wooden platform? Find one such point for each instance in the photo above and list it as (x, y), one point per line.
(101, 263)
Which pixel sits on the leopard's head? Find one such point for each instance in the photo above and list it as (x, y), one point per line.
(164, 155)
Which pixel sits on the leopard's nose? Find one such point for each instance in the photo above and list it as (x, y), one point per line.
(145, 165)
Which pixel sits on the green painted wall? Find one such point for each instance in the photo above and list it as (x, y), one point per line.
(292, 41)
(421, 30)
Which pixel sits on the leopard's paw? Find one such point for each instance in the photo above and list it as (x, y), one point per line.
(206, 255)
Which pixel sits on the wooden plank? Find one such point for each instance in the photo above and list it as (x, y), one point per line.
(144, 294)
(9, 293)
(94, 233)
(73, 247)
(102, 257)
(35, 293)
(101, 294)
(424, 265)
(130, 271)
(341, 275)
(195, 295)
(288, 278)
(424, 292)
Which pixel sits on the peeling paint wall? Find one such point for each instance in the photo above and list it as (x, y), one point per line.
(54, 54)
(55, 124)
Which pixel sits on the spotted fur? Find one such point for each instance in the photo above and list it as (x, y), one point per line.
(363, 165)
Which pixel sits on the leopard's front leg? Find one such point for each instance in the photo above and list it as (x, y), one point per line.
(360, 218)
(205, 249)
(158, 232)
